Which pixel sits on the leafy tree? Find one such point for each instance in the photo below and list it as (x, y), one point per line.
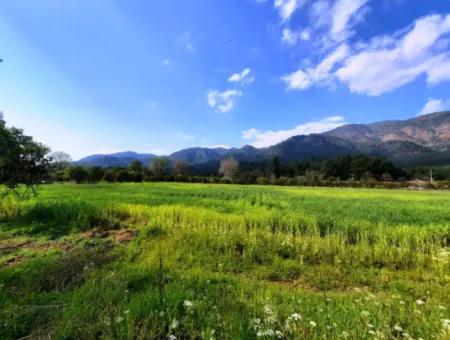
(136, 170)
(96, 174)
(275, 167)
(136, 166)
(229, 168)
(159, 166)
(123, 176)
(22, 160)
(110, 176)
(181, 168)
(78, 174)
(60, 160)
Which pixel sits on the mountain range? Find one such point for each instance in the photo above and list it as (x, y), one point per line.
(423, 140)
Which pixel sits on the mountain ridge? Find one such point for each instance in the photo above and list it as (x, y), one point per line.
(415, 141)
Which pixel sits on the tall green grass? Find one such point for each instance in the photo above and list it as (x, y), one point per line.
(229, 262)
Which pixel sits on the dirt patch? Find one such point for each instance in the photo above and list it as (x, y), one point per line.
(125, 236)
(121, 236)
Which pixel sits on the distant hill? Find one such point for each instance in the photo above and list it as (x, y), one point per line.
(119, 159)
(424, 140)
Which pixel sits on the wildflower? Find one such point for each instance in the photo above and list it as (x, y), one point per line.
(345, 334)
(446, 324)
(406, 335)
(312, 324)
(296, 317)
(279, 334)
(187, 304)
(402, 302)
(268, 310)
(420, 302)
(372, 332)
(174, 324)
(370, 325)
(442, 308)
(365, 313)
(172, 337)
(398, 328)
(119, 319)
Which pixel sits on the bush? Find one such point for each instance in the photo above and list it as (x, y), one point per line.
(261, 181)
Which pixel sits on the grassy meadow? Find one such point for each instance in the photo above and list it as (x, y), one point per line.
(196, 261)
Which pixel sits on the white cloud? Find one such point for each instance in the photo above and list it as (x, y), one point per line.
(262, 139)
(243, 78)
(223, 102)
(217, 146)
(186, 41)
(184, 136)
(322, 73)
(385, 62)
(344, 13)
(435, 105)
(287, 7)
(165, 62)
(291, 38)
(377, 68)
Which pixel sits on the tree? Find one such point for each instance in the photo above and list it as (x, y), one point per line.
(123, 176)
(229, 168)
(96, 174)
(180, 168)
(275, 167)
(136, 166)
(78, 174)
(22, 160)
(159, 166)
(60, 160)
(110, 176)
(136, 170)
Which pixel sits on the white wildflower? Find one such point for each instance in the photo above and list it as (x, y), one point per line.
(398, 328)
(296, 317)
(312, 324)
(187, 304)
(420, 302)
(365, 313)
(172, 337)
(174, 324)
(446, 324)
(345, 334)
(372, 332)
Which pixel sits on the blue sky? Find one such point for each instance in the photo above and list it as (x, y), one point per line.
(156, 76)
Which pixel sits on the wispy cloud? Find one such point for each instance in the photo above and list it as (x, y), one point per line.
(261, 139)
(385, 62)
(435, 105)
(304, 78)
(291, 38)
(242, 78)
(384, 65)
(345, 13)
(286, 8)
(184, 136)
(187, 42)
(224, 101)
(165, 62)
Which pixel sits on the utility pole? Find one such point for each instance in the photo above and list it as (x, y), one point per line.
(431, 175)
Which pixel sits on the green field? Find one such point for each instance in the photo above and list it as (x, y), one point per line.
(185, 261)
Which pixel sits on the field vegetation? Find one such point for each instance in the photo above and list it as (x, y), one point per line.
(198, 261)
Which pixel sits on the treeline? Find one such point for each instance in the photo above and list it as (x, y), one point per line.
(349, 170)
